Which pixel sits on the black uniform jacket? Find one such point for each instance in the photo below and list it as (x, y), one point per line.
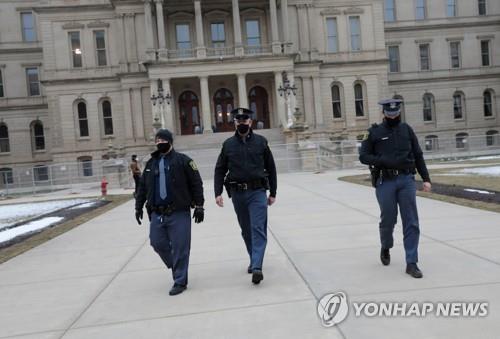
(396, 147)
(246, 161)
(184, 177)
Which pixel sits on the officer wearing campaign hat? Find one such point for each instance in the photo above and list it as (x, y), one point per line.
(170, 186)
(246, 168)
(392, 151)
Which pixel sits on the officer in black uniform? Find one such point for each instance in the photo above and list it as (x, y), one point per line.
(170, 186)
(246, 168)
(393, 153)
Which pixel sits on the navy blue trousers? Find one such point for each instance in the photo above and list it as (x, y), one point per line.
(251, 209)
(401, 191)
(170, 237)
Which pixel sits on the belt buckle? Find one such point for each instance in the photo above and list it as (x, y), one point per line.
(243, 186)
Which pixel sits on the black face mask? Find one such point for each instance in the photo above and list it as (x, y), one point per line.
(164, 147)
(393, 122)
(243, 129)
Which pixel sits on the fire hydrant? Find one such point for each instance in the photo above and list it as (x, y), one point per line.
(104, 187)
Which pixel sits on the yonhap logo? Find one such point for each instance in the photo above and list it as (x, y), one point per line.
(333, 308)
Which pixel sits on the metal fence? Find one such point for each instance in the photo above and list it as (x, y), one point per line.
(307, 155)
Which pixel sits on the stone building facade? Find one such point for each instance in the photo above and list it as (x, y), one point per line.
(80, 75)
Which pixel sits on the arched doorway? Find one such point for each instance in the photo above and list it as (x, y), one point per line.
(223, 104)
(189, 112)
(259, 104)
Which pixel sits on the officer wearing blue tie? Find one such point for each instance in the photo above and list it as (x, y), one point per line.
(170, 186)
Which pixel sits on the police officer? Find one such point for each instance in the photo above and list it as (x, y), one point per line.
(392, 151)
(170, 186)
(246, 168)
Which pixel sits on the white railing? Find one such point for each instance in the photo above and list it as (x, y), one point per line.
(220, 51)
(259, 49)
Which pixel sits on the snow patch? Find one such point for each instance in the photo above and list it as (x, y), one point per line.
(28, 228)
(488, 171)
(477, 191)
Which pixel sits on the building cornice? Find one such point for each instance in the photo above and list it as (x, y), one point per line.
(444, 78)
(441, 26)
(78, 80)
(23, 107)
(78, 8)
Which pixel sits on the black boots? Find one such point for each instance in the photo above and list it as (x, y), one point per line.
(414, 271)
(257, 276)
(385, 256)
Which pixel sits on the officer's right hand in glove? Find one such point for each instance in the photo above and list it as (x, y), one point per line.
(199, 214)
(138, 216)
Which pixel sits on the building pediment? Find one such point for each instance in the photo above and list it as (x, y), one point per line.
(181, 15)
(331, 11)
(217, 13)
(354, 10)
(252, 11)
(73, 25)
(98, 24)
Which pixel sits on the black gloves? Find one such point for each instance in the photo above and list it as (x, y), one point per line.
(199, 214)
(138, 216)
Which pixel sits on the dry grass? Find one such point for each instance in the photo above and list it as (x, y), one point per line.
(52, 232)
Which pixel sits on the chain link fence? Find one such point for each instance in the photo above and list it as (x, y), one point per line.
(308, 155)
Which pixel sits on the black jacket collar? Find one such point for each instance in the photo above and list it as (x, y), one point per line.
(248, 137)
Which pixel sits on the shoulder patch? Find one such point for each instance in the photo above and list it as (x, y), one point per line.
(365, 136)
(193, 165)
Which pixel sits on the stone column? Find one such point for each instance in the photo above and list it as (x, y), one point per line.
(318, 108)
(162, 41)
(128, 116)
(276, 46)
(308, 97)
(201, 51)
(238, 45)
(148, 23)
(168, 113)
(280, 101)
(242, 91)
(123, 50)
(138, 114)
(303, 32)
(284, 19)
(205, 105)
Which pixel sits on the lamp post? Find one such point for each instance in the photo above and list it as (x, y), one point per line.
(286, 90)
(159, 99)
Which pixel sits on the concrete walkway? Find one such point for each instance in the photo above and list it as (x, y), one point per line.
(103, 280)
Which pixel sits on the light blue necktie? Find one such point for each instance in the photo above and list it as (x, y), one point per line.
(163, 180)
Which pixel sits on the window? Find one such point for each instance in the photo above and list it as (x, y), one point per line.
(461, 140)
(481, 7)
(1, 85)
(336, 102)
(359, 100)
(420, 10)
(487, 104)
(455, 54)
(183, 37)
(218, 34)
(393, 59)
(33, 81)
(4, 139)
(458, 106)
(253, 32)
(355, 33)
(425, 57)
(331, 25)
(6, 176)
(107, 118)
(428, 104)
(431, 143)
(492, 138)
(76, 52)
(485, 52)
(41, 173)
(100, 46)
(38, 137)
(83, 122)
(390, 10)
(28, 24)
(85, 166)
(451, 8)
